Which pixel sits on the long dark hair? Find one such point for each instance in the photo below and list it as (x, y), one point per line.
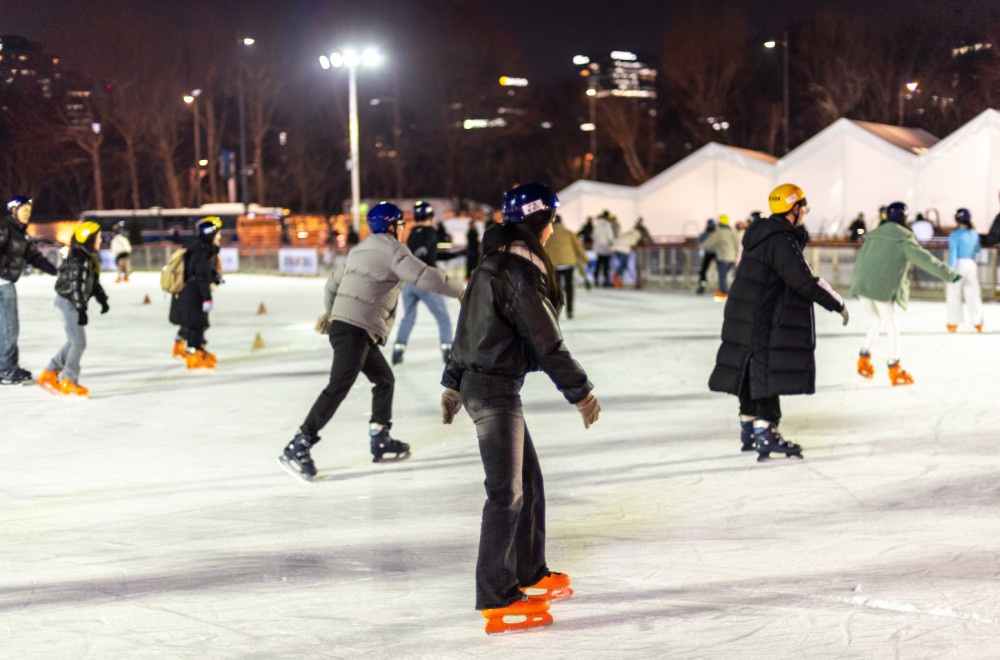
(530, 233)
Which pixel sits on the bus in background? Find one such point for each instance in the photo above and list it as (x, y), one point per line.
(155, 225)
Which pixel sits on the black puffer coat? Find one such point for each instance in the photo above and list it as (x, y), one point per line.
(16, 249)
(508, 327)
(768, 324)
(200, 273)
(78, 278)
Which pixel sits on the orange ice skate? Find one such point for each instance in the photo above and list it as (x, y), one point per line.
(865, 367)
(952, 328)
(179, 349)
(49, 380)
(898, 376)
(551, 587)
(70, 388)
(207, 358)
(519, 616)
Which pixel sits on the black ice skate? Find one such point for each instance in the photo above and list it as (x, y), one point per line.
(296, 459)
(383, 443)
(770, 441)
(746, 437)
(397, 353)
(18, 376)
(701, 287)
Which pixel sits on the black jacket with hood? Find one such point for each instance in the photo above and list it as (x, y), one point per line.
(768, 326)
(17, 248)
(78, 278)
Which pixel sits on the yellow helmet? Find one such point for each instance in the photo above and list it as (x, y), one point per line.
(784, 197)
(85, 230)
(724, 220)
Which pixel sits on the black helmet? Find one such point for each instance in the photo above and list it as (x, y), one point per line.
(527, 200)
(896, 212)
(422, 211)
(17, 202)
(963, 217)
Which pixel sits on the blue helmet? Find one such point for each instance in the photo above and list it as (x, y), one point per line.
(383, 216)
(527, 200)
(17, 202)
(209, 226)
(896, 212)
(422, 211)
(963, 217)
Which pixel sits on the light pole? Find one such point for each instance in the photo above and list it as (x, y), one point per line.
(911, 87)
(244, 41)
(189, 99)
(351, 59)
(784, 50)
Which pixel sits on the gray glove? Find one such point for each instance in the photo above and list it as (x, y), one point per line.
(451, 403)
(589, 409)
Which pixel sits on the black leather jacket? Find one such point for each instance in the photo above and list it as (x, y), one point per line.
(77, 280)
(508, 327)
(16, 248)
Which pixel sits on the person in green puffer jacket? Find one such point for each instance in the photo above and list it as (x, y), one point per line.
(881, 279)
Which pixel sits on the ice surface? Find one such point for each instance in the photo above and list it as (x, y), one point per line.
(153, 521)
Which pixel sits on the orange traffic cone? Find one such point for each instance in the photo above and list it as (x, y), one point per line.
(145, 301)
(258, 342)
(262, 309)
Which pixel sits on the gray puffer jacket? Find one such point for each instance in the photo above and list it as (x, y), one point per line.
(365, 291)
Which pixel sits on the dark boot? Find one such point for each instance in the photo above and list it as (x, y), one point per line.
(768, 440)
(746, 436)
(397, 353)
(383, 443)
(296, 458)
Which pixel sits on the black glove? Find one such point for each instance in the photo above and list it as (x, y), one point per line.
(105, 307)
(82, 317)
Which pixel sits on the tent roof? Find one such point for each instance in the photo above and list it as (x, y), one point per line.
(587, 187)
(985, 120)
(747, 159)
(914, 140)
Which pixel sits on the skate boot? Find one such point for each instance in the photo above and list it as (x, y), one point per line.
(208, 359)
(49, 380)
(179, 348)
(446, 352)
(70, 388)
(296, 459)
(979, 328)
(17, 376)
(746, 436)
(769, 440)
(194, 360)
(519, 616)
(397, 353)
(551, 587)
(701, 287)
(865, 367)
(952, 328)
(897, 376)
(383, 443)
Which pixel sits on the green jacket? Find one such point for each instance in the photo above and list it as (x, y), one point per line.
(881, 269)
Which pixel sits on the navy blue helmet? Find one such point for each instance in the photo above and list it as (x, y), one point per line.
(422, 211)
(527, 200)
(963, 217)
(896, 212)
(383, 216)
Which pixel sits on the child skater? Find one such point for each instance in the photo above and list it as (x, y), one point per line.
(508, 327)
(76, 282)
(963, 248)
(880, 280)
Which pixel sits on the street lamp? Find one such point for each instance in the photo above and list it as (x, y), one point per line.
(189, 99)
(352, 59)
(244, 41)
(911, 87)
(784, 48)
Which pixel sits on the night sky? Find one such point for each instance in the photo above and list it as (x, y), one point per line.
(550, 33)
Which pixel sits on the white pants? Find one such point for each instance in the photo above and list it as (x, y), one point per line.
(967, 288)
(883, 313)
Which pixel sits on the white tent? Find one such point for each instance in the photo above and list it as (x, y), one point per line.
(588, 198)
(714, 180)
(963, 170)
(851, 167)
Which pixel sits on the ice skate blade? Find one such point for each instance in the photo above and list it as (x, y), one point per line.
(522, 623)
(287, 466)
(396, 459)
(787, 459)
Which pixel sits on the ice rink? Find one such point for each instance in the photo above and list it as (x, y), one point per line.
(153, 521)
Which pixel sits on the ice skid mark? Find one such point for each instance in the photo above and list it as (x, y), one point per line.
(877, 604)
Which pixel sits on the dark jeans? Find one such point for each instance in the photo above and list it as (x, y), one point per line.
(768, 408)
(354, 352)
(603, 263)
(9, 329)
(512, 537)
(565, 275)
(724, 267)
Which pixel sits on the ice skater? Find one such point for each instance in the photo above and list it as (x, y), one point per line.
(508, 327)
(121, 247)
(77, 282)
(963, 249)
(361, 301)
(422, 242)
(880, 282)
(190, 308)
(16, 250)
(768, 330)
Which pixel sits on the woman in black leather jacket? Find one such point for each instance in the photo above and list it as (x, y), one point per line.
(76, 283)
(508, 327)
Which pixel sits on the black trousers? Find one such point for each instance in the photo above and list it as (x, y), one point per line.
(603, 264)
(565, 275)
(354, 352)
(768, 408)
(512, 536)
(706, 261)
